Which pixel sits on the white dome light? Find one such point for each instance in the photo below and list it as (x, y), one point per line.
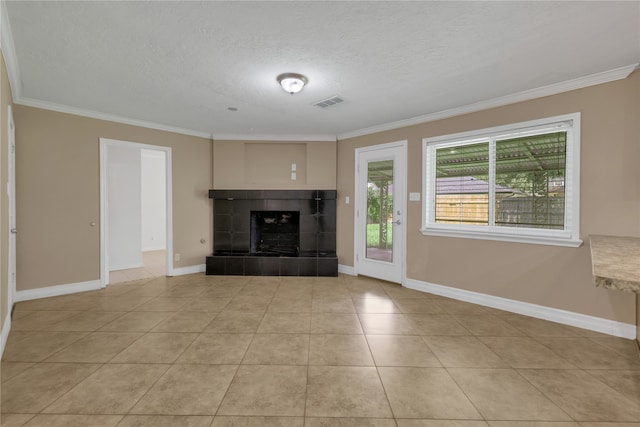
(292, 82)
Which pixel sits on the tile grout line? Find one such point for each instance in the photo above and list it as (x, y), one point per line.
(544, 394)
(149, 389)
(306, 387)
(451, 377)
(237, 366)
(375, 365)
(69, 391)
(174, 286)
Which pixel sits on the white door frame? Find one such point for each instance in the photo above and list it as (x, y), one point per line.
(104, 203)
(361, 195)
(11, 192)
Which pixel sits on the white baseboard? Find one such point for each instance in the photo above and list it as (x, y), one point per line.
(201, 268)
(154, 248)
(52, 291)
(6, 328)
(126, 266)
(598, 324)
(346, 269)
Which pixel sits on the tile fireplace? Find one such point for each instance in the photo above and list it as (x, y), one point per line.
(274, 233)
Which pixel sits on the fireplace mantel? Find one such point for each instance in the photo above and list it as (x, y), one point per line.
(232, 253)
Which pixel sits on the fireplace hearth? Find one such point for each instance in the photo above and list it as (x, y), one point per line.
(274, 233)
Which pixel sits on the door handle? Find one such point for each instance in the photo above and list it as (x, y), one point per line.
(397, 222)
(13, 231)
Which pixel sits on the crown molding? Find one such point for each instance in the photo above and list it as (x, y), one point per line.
(553, 89)
(270, 137)
(9, 53)
(29, 102)
(11, 61)
(13, 71)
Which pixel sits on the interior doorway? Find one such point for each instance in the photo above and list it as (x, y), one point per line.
(11, 193)
(153, 265)
(152, 229)
(136, 223)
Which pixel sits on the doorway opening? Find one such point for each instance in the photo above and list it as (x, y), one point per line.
(11, 190)
(135, 194)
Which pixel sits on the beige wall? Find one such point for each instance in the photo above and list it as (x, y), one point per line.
(557, 277)
(5, 100)
(58, 194)
(266, 165)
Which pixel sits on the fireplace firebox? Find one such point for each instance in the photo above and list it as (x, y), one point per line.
(273, 233)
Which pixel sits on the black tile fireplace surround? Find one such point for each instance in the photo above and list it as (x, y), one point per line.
(273, 233)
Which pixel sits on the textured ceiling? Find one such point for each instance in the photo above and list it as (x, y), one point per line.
(182, 64)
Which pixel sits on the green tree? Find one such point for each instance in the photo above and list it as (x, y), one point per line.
(373, 204)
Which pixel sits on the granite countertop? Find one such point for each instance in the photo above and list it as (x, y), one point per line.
(616, 262)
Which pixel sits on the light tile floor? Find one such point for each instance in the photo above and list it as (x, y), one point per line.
(317, 352)
(153, 266)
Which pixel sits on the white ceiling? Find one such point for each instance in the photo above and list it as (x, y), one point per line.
(182, 64)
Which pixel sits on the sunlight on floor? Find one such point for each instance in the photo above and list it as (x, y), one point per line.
(154, 266)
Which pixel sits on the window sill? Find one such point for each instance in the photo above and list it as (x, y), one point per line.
(504, 237)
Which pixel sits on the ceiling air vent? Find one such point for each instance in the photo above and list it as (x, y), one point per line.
(329, 102)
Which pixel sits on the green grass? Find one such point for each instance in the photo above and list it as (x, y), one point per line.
(373, 235)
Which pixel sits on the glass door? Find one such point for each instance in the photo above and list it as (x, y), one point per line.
(381, 182)
(379, 228)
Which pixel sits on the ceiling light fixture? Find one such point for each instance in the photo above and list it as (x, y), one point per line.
(292, 82)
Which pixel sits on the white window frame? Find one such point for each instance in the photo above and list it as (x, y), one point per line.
(569, 236)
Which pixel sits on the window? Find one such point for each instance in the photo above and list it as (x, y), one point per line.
(516, 183)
